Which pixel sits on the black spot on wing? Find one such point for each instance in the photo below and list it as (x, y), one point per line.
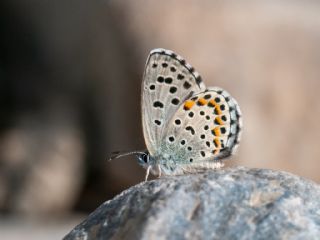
(152, 87)
(183, 62)
(175, 101)
(173, 89)
(177, 121)
(158, 104)
(168, 80)
(180, 76)
(160, 79)
(198, 80)
(173, 55)
(157, 122)
(186, 85)
(189, 128)
(194, 98)
(207, 96)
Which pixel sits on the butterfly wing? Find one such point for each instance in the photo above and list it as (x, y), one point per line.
(168, 81)
(205, 129)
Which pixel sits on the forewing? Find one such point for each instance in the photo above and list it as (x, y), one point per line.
(205, 128)
(168, 81)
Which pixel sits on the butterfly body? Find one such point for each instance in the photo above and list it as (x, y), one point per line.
(187, 127)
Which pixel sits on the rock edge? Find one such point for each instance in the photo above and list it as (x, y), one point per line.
(230, 203)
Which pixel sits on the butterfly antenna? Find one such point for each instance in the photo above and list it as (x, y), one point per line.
(119, 154)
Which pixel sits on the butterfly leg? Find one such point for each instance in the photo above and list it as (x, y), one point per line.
(147, 173)
(159, 170)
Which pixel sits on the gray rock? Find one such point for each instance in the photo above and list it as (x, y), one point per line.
(231, 203)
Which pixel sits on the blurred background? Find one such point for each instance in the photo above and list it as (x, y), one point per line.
(70, 75)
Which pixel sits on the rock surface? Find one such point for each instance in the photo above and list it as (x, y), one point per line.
(232, 203)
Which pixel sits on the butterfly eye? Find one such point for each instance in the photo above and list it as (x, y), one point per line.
(145, 158)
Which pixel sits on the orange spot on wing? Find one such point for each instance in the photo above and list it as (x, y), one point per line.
(218, 110)
(216, 131)
(212, 103)
(217, 142)
(202, 101)
(216, 151)
(218, 120)
(188, 104)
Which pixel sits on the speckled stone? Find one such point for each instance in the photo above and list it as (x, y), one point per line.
(231, 203)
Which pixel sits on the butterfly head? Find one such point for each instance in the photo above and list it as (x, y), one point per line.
(143, 158)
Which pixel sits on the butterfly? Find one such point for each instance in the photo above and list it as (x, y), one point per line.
(187, 127)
